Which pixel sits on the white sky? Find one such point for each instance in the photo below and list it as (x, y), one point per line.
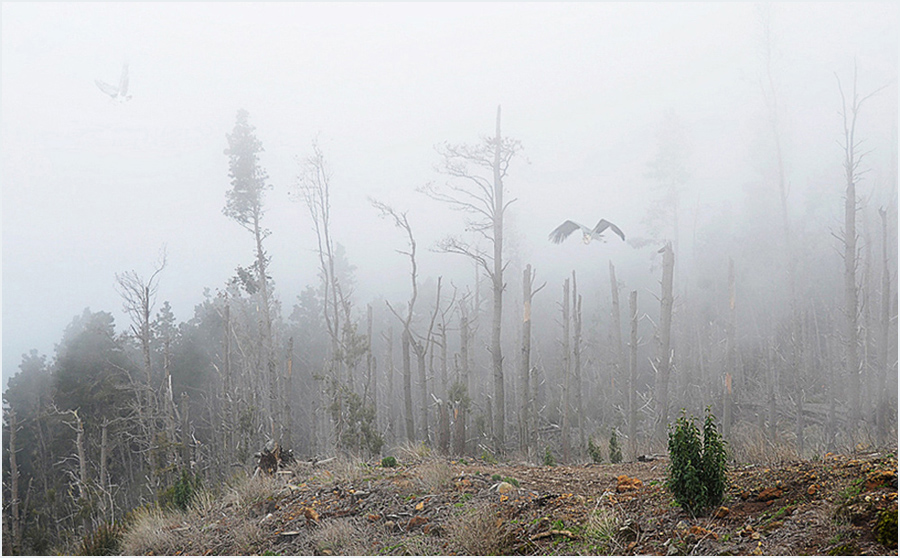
(91, 187)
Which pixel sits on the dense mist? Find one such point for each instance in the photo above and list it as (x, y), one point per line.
(329, 225)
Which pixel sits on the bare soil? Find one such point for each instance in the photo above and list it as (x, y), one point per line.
(434, 506)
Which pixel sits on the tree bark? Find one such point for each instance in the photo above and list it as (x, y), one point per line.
(407, 386)
(497, 283)
(576, 378)
(525, 409)
(664, 359)
(565, 373)
(632, 375)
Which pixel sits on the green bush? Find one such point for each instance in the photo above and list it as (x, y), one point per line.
(615, 452)
(594, 451)
(181, 494)
(549, 460)
(389, 461)
(886, 528)
(697, 468)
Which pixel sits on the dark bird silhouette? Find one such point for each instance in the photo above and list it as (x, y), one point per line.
(116, 93)
(562, 232)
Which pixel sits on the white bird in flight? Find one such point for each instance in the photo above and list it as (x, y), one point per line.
(562, 232)
(116, 93)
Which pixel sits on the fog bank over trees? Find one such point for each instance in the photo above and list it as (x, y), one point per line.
(329, 226)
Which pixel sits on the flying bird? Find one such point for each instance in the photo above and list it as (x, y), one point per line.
(563, 231)
(116, 93)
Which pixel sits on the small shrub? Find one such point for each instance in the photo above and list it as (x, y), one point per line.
(181, 493)
(697, 468)
(594, 451)
(512, 481)
(615, 452)
(549, 460)
(389, 461)
(106, 540)
(496, 478)
(886, 528)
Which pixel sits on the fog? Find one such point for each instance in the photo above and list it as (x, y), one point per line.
(94, 187)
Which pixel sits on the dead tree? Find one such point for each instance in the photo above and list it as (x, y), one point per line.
(576, 369)
(852, 174)
(482, 197)
(16, 519)
(664, 358)
(526, 398)
(401, 221)
(730, 349)
(564, 407)
(632, 374)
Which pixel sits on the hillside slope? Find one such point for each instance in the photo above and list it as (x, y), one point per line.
(841, 504)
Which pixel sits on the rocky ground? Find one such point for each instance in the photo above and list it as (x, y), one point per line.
(837, 505)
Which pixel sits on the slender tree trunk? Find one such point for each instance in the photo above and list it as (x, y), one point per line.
(576, 343)
(882, 416)
(464, 358)
(617, 322)
(16, 519)
(632, 375)
(565, 373)
(730, 349)
(407, 386)
(390, 378)
(419, 349)
(497, 281)
(664, 361)
(525, 409)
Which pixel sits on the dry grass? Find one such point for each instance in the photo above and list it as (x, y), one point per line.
(410, 452)
(479, 531)
(748, 444)
(602, 530)
(434, 475)
(341, 537)
(151, 532)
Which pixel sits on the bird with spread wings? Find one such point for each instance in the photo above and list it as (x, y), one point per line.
(562, 232)
(116, 93)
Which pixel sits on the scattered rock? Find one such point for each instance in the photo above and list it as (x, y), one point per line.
(813, 488)
(626, 484)
(771, 493)
(416, 521)
(505, 487)
(877, 479)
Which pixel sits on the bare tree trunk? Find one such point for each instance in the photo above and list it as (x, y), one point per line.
(16, 519)
(851, 290)
(664, 360)
(464, 358)
(576, 343)
(730, 348)
(497, 283)
(419, 349)
(882, 416)
(407, 386)
(632, 375)
(525, 410)
(390, 378)
(565, 373)
(617, 322)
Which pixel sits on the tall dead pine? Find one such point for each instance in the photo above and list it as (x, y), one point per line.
(664, 358)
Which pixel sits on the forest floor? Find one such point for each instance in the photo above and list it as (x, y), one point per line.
(427, 506)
